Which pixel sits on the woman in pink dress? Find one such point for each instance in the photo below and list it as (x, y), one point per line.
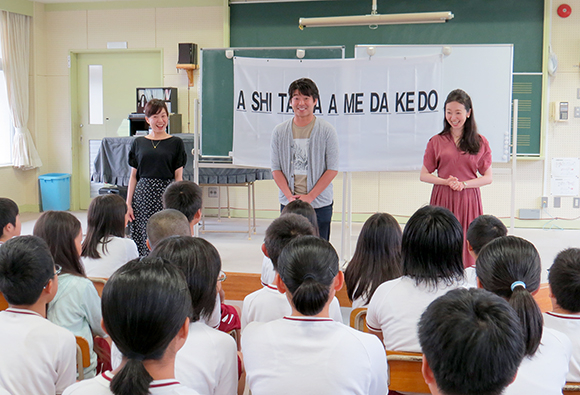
(458, 154)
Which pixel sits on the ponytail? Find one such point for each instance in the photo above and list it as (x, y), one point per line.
(307, 267)
(530, 317)
(132, 379)
(510, 267)
(310, 297)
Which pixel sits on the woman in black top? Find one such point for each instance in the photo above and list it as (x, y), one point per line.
(156, 160)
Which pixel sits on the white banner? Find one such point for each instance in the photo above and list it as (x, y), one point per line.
(384, 109)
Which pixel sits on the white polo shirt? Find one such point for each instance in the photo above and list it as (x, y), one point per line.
(267, 304)
(268, 273)
(119, 252)
(545, 372)
(568, 324)
(396, 307)
(208, 361)
(311, 355)
(37, 357)
(100, 386)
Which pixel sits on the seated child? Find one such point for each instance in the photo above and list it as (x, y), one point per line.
(37, 356)
(472, 343)
(481, 231)
(165, 223)
(564, 278)
(146, 308)
(267, 304)
(432, 261)
(207, 362)
(76, 306)
(376, 259)
(510, 267)
(299, 207)
(186, 197)
(9, 220)
(105, 248)
(306, 352)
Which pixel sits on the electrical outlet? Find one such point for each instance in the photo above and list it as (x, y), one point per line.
(212, 192)
(544, 202)
(576, 112)
(557, 202)
(576, 202)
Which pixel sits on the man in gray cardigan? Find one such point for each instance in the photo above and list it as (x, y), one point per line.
(304, 155)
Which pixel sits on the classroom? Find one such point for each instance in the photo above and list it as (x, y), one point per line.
(538, 195)
(64, 29)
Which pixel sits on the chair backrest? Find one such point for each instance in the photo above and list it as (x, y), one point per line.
(83, 356)
(571, 389)
(405, 372)
(358, 319)
(99, 284)
(3, 302)
(542, 297)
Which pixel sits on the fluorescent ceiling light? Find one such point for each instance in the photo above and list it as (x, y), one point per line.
(375, 19)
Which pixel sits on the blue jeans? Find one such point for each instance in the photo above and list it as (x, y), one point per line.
(324, 218)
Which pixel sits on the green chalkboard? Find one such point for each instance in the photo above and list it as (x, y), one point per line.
(217, 90)
(528, 90)
(516, 22)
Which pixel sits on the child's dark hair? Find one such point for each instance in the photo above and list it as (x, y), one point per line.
(105, 220)
(155, 106)
(470, 140)
(145, 303)
(281, 231)
(8, 213)
(304, 209)
(305, 86)
(184, 196)
(165, 223)
(377, 257)
(26, 266)
(484, 229)
(200, 262)
(60, 229)
(510, 267)
(564, 278)
(473, 342)
(307, 267)
(432, 246)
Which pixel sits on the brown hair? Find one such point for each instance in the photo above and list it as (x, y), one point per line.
(470, 140)
(154, 106)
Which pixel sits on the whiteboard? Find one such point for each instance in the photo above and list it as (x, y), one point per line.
(483, 71)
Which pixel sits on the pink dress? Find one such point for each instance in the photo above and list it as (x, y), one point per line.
(443, 155)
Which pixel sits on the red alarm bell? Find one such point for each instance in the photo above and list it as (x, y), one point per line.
(564, 10)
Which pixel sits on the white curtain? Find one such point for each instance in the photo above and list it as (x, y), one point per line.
(16, 64)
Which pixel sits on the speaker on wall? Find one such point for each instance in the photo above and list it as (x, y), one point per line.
(187, 53)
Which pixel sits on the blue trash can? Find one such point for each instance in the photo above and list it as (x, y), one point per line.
(55, 191)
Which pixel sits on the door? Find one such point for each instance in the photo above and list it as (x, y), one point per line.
(103, 103)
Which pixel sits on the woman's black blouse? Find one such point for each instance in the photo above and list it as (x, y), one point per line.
(157, 158)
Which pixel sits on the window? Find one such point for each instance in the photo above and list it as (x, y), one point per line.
(6, 128)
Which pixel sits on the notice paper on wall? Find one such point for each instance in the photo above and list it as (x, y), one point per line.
(565, 179)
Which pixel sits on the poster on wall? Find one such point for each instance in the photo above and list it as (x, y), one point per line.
(384, 109)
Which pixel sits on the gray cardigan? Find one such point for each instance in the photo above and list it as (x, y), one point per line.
(322, 156)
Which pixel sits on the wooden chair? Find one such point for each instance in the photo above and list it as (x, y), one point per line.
(3, 302)
(99, 284)
(405, 372)
(542, 298)
(571, 389)
(358, 319)
(83, 356)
